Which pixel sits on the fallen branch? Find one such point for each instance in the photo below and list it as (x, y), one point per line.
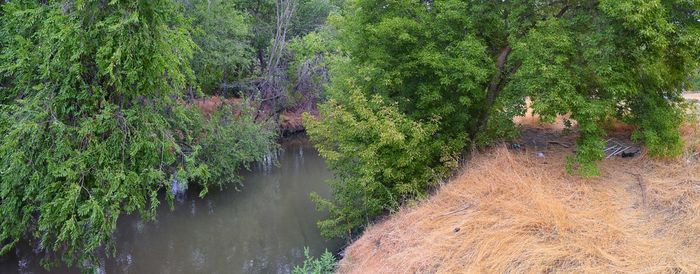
(642, 187)
(467, 206)
(559, 143)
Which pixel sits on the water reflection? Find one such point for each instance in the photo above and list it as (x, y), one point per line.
(260, 229)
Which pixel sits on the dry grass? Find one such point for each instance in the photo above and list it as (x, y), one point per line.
(511, 212)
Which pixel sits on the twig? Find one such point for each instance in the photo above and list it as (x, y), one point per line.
(618, 151)
(559, 143)
(454, 211)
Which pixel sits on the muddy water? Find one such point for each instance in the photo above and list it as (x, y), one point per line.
(260, 228)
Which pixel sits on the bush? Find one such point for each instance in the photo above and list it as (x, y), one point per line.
(658, 126)
(379, 156)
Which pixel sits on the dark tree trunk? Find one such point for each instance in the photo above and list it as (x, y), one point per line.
(494, 89)
(261, 59)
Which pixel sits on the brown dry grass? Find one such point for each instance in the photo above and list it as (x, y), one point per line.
(511, 212)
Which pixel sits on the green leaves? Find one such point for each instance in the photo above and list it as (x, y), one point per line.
(93, 123)
(461, 70)
(325, 264)
(232, 140)
(658, 122)
(380, 157)
(222, 34)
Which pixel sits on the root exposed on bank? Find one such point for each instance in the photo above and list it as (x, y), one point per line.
(513, 212)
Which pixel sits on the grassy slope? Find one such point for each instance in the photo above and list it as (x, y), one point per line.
(514, 212)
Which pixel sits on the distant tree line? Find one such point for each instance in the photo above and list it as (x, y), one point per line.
(251, 48)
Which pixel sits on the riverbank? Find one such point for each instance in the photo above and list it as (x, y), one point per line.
(519, 211)
(289, 121)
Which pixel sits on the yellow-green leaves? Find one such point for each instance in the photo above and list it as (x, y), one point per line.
(380, 158)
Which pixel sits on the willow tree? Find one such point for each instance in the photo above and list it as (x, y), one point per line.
(90, 126)
(469, 65)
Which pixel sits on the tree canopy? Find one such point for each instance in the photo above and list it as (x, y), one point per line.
(468, 67)
(97, 98)
(94, 121)
(222, 34)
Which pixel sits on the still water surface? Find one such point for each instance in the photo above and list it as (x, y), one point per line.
(260, 229)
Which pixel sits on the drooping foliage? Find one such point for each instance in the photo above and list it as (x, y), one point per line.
(232, 139)
(468, 66)
(93, 121)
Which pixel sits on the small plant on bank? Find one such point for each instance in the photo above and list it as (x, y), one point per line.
(321, 265)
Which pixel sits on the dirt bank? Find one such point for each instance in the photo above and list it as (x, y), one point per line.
(692, 96)
(516, 212)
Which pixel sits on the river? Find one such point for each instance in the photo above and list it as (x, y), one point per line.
(261, 227)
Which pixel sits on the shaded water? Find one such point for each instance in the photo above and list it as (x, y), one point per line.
(260, 229)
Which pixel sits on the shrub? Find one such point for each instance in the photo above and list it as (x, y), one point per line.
(380, 159)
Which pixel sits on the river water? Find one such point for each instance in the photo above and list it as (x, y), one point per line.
(261, 227)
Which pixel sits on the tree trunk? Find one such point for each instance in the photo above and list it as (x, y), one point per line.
(494, 89)
(261, 59)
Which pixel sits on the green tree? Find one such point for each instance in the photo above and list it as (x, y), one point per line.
(222, 33)
(469, 65)
(311, 15)
(262, 22)
(307, 16)
(93, 123)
